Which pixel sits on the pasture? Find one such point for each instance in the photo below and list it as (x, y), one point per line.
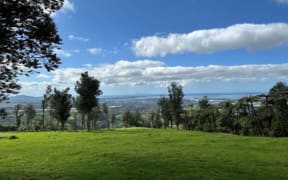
(138, 153)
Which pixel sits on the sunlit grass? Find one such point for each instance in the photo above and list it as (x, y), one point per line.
(141, 154)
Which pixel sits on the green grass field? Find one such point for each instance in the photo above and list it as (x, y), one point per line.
(141, 154)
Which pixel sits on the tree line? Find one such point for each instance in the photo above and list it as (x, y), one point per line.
(261, 115)
(58, 104)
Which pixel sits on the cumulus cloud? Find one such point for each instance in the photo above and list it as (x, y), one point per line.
(77, 38)
(95, 51)
(157, 73)
(239, 36)
(282, 1)
(146, 72)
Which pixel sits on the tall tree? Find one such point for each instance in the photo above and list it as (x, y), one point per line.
(28, 40)
(60, 104)
(30, 113)
(18, 114)
(88, 90)
(176, 100)
(45, 103)
(164, 104)
(151, 119)
(105, 112)
(113, 119)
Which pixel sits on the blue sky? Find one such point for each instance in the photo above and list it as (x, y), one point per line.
(141, 46)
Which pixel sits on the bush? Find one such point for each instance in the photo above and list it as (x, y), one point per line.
(13, 137)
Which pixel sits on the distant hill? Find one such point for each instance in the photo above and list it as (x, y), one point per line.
(22, 99)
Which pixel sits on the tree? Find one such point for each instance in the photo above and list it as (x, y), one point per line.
(60, 104)
(88, 90)
(151, 118)
(45, 103)
(105, 112)
(157, 122)
(3, 113)
(93, 116)
(279, 96)
(227, 117)
(204, 102)
(18, 114)
(30, 113)
(164, 104)
(28, 40)
(126, 118)
(113, 119)
(176, 100)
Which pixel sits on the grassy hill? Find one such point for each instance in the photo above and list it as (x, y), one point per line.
(141, 154)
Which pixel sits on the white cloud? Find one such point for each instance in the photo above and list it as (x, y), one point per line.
(145, 72)
(64, 53)
(44, 76)
(95, 51)
(282, 1)
(156, 73)
(77, 38)
(246, 36)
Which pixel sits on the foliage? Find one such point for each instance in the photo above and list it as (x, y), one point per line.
(88, 90)
(132, 119)
(30, 113)
(164, 104)
(18, 114)
(176, 100)
(278, 95)
(262, 115)
(3, 113)
(28, 40)
(105, 111)
(45, 103)
(60, 104)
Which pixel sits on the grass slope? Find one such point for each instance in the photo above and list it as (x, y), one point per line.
(141, 154)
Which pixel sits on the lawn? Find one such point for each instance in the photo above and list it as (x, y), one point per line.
(141, 154)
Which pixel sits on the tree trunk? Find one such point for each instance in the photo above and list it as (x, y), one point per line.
(177, 125)
(62, 126)
(43, 117)
(88, 123)
(83, 121)
(107, 122)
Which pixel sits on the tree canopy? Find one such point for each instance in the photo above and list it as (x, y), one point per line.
(88, 90)
(28, 40)
(61, 103)
(176, 100)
